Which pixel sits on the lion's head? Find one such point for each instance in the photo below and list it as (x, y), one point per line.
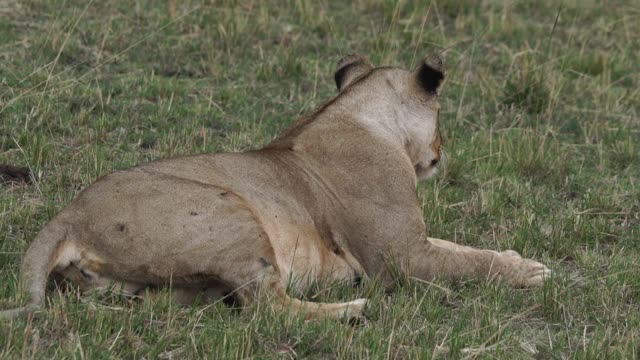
(413, 96)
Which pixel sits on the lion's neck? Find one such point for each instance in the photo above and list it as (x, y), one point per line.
(379, 124)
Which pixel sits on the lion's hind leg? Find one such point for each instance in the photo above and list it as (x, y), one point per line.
(88, 281)
(269, 286)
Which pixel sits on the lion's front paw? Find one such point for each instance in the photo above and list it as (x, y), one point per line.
(520, 272)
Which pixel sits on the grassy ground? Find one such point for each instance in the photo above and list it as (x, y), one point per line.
(540, 117)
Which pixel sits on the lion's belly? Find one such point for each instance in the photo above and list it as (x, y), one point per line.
(304, 259)
(307, 268)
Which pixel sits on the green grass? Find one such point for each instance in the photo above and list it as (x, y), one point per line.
(541, 130)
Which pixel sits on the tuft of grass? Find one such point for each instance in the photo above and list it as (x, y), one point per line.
(541, 130)
(527, 88)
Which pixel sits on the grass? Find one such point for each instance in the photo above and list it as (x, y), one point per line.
(540, 118)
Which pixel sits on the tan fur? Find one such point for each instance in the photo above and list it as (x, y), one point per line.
(333, 198)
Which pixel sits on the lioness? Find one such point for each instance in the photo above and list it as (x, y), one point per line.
(334, 197)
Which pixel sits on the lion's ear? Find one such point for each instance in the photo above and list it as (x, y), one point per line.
(430, 73)
(350, 68)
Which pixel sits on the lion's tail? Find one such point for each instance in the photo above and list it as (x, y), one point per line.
(38, 262)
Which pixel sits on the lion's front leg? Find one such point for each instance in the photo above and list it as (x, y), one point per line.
(444, 259)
